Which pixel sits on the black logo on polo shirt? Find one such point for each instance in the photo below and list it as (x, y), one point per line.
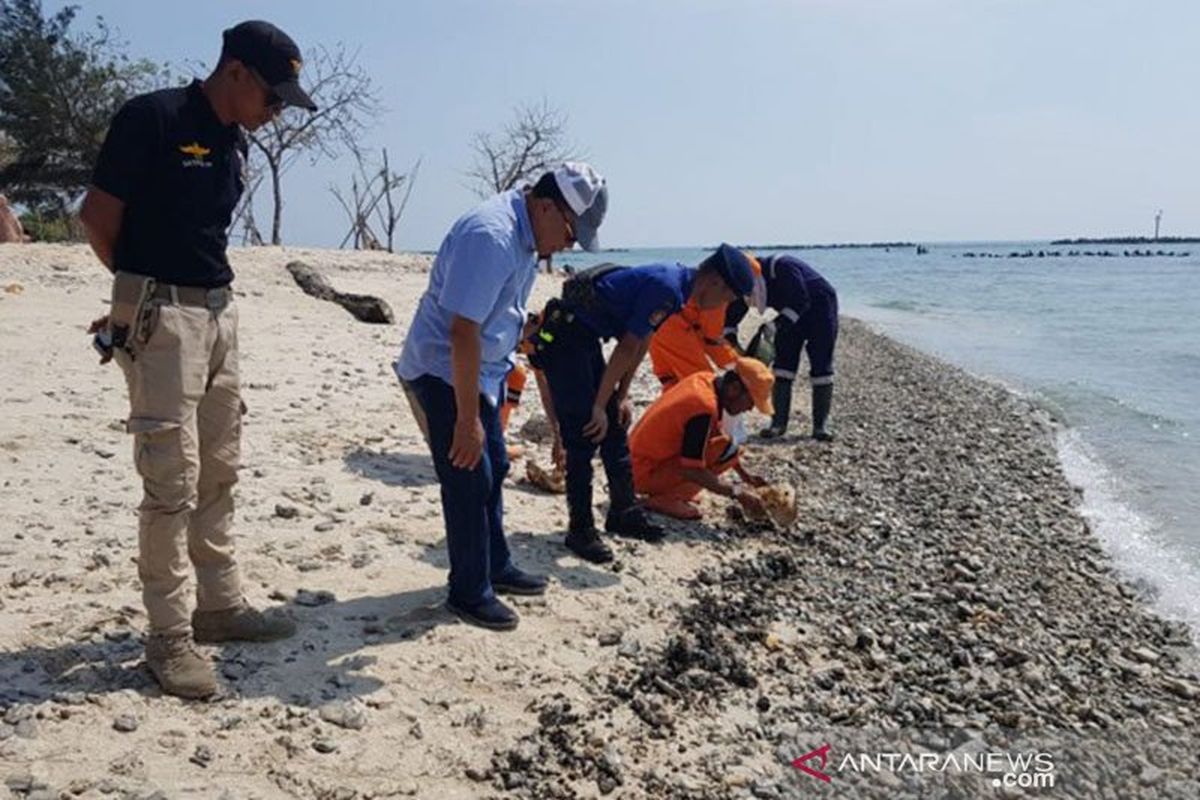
(197, 154)
(659, 317)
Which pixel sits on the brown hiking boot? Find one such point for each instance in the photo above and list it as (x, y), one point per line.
(242, 623)
(178, 667)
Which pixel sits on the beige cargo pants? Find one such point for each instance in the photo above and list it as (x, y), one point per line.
(185, 414)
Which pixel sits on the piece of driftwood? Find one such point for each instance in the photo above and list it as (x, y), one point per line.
(364, 307)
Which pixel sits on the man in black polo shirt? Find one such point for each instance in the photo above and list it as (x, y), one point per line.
(163, 191)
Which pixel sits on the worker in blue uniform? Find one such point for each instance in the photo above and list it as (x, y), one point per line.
(807, 318)
(590, 394)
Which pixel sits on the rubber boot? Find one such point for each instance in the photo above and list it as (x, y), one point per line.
(822, 402)
(781, 398)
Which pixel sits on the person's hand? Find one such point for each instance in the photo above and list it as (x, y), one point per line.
(751, 502)
(558, 453)
(98, 324)
(467, 447)
(598, 427)
(625, 413)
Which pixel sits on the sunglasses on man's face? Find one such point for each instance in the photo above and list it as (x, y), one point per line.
(566, 218)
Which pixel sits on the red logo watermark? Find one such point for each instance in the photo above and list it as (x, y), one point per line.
(822, 753)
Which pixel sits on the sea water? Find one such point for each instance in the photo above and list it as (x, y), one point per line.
(1109, 341)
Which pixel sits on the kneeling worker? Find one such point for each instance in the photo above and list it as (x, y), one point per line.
(681, 444)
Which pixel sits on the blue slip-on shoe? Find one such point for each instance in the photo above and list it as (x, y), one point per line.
(490, 614)
(516, 581)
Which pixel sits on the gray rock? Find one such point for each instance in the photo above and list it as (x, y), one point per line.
(1181, 688)
(322, 597)
(609, 638)
(20, 782)
(346, 715)
(202, 756)
(125, 723)
(18, 713)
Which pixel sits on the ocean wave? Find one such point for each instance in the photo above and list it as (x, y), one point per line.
(1130, 537)
(1078, 403)
(911, 306)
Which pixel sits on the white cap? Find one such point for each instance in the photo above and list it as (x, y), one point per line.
(586, 193)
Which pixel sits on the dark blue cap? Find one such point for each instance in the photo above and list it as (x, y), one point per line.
(734, 268)
(273, 55)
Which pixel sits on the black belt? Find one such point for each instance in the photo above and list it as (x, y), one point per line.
(213, 299)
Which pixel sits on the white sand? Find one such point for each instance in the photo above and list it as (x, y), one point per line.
(327, 428)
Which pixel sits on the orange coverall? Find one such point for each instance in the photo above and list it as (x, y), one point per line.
(682, 428)
(686, 341)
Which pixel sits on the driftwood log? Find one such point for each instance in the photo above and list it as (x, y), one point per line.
(364, 307)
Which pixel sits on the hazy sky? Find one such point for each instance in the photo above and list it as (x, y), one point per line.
(767, 120)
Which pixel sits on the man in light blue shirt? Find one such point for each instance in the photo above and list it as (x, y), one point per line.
(457, 353)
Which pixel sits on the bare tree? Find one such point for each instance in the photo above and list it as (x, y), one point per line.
(243, 213)
(347, 103)
(376, 200)
(532, 142)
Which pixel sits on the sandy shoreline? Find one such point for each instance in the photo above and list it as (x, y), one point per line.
(940, 577)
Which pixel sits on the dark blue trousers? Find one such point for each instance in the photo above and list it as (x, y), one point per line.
(816, 333)
(573, 368)
(472, 501)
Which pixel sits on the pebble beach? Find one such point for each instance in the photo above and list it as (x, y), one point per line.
(940, 592)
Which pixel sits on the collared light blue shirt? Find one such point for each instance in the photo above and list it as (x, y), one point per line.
(483, 272)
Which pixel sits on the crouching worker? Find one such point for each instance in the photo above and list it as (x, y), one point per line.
(807, 319)
(683, 443)
(590, 395)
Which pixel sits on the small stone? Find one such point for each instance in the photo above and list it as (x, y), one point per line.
(322, 597)
(125, 723)
(202, 756)
(763, 704)
(18, 713)
(1151, 775)
(286, 512)
(325, 746)
(479, 775)
(345, 715)
(20, 782)
(366, 499)
(323, 527)
(610, 638)
(1145, 655)
(1182, 688)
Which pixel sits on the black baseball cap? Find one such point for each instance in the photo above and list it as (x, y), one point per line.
(273, 55)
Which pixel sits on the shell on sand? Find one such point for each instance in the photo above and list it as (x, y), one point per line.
(554, 480)
(780, 500)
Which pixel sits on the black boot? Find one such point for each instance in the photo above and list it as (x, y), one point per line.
(582, 537)
(822, 401)
(781, 398)
(625, 517)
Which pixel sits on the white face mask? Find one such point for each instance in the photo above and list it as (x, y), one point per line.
(734, 426)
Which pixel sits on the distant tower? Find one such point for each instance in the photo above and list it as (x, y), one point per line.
(1157, 222)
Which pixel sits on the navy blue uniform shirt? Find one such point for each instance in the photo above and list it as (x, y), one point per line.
(179, 172)
(639, 299)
